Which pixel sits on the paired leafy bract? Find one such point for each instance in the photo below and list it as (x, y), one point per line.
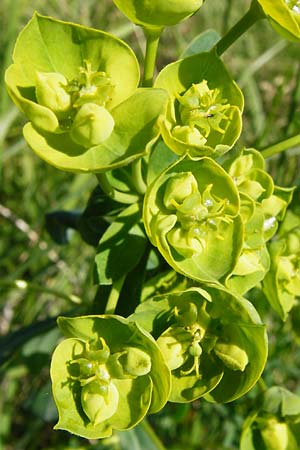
(284, 16)
(78, 88)
(107, 375)
(191, 214)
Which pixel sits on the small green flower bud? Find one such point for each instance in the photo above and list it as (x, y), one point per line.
(234, 357)
(275, 435)
(195, 350)
(81, 368)
(174, 344)
(158, 13)
(51, 92)
(178, 188)
(92, 125)
(99, 402)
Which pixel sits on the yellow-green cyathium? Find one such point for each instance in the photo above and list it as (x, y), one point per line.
(205, 106)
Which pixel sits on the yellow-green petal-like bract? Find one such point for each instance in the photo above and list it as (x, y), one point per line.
(284, 16)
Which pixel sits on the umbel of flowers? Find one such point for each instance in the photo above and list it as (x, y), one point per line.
(211, 217)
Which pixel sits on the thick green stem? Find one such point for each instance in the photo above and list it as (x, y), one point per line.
(254, 13)
(137, 177)
(281, 146)
(152, 37)
(118, 196)
(114, 295)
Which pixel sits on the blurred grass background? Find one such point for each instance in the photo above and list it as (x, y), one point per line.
(40, 279)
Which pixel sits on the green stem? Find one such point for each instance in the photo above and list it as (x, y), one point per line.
(153, 436)
(281, 146)
(118, 196)
(114, 295)
(152, 37)
(137, 177)
(254, 13)
(262, 385)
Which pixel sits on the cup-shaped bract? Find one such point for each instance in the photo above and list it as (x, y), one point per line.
(274, 426)
(214, 342)
(282, 283)
(205, 105)
(78, 88)
(191, 214)
(284, 16)
(106, 375)
(156, 14)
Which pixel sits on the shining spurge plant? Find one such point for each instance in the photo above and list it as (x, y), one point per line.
(192, 227)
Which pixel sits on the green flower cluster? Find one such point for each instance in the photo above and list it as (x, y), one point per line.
(282, 283)
(107, 375)
(262, 206)
(275, 425)
(86, 115)
(205, 106)
(213, 342)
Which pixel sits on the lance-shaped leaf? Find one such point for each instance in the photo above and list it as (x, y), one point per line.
(282, 283)
(84, 111)
(121, 246)
(284, 16)
(191, 215)
(107, 375)
(205, 106)
(208, 338)
(271, 426)
(156, 14)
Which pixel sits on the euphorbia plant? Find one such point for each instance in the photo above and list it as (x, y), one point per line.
(190, 222)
